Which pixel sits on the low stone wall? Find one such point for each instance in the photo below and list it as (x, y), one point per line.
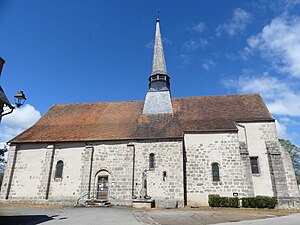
(288, 203)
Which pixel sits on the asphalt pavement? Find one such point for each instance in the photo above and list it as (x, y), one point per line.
(21, 215)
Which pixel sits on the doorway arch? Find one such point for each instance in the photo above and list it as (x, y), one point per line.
(101, 181)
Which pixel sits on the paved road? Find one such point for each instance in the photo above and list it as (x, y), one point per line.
(293, 219)
(10, 215)
(94, 216)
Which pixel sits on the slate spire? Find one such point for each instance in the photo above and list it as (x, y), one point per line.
(159, 63)
(159, 80)
(158, 98)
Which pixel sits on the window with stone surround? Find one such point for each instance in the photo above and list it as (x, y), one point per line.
(59, 169)
(151, 161)
(254, 164)
(215, 172)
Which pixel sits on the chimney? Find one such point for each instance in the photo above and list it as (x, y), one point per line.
(2, 61)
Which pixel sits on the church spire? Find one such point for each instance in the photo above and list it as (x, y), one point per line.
(159, 79)
(158, 98)
(159, 63)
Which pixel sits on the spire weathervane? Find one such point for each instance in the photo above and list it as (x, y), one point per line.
(157, 18)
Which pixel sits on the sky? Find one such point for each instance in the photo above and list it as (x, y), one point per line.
(72, 51)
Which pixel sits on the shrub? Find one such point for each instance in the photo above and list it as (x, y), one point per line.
(214, 200)
(259, 202)
(217, 201)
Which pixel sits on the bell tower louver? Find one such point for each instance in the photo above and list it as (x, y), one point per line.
(158, 99)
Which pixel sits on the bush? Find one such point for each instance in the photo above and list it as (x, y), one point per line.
(259, 202)
(217, 201)
(249, 202)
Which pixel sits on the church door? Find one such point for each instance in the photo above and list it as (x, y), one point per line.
(102, 187)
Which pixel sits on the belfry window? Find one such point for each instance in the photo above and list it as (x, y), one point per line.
(59, 169)
(151, 161)
(254, 165)
(215, 172)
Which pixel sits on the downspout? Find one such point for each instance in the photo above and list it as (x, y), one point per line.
(184, 172)
(12, 171)
(50, 170)
(91, 169)
(133, 168)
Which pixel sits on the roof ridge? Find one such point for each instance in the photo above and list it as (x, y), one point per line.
(225, 95)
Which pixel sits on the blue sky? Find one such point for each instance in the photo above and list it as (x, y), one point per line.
(71, 51)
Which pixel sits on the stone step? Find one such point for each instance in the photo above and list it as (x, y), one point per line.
(96, 203)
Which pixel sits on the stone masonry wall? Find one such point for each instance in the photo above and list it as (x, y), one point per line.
(201, 151)
(256, 134)
(67, 188)
(25, 182)
(292, 186)
(6, 183)
(83, 162)
(277, 169)
(114, 158)
(169, 159)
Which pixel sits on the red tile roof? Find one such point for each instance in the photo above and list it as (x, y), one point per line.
(125, 121)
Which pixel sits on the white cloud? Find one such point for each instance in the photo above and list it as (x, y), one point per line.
(280, 97)
(208, 64)
(199, 27)
(18, 121)
(288, 120)
(238, 23)
(279, 42)
(193, 45)
(282, 130)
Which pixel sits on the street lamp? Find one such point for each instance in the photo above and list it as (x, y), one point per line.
(20, 99)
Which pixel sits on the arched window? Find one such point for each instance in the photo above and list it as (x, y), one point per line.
(59, 169)
(164, 176)
(215, 172)
(151, 161)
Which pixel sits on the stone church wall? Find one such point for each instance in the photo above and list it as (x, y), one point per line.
(201, 151)
(31, 172)
(256, 136)
(182, 169)
(66, 188)
(168, 159)
(292, 186)
(115, 160)
(24, 182)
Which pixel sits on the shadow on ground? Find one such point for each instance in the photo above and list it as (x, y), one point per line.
(22, 220)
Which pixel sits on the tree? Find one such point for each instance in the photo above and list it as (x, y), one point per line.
(294, 152)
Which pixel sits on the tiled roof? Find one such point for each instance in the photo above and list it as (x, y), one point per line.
(125, 121)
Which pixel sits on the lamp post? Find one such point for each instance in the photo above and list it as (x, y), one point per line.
(19, 98)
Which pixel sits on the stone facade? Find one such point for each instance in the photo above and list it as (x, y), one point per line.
(182, 172)
(202, 150)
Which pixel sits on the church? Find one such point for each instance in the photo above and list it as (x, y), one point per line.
(161, 150)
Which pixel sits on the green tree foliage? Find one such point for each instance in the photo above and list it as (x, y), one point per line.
(294, 152)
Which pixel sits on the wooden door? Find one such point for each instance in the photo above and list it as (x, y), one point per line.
(102, 188)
